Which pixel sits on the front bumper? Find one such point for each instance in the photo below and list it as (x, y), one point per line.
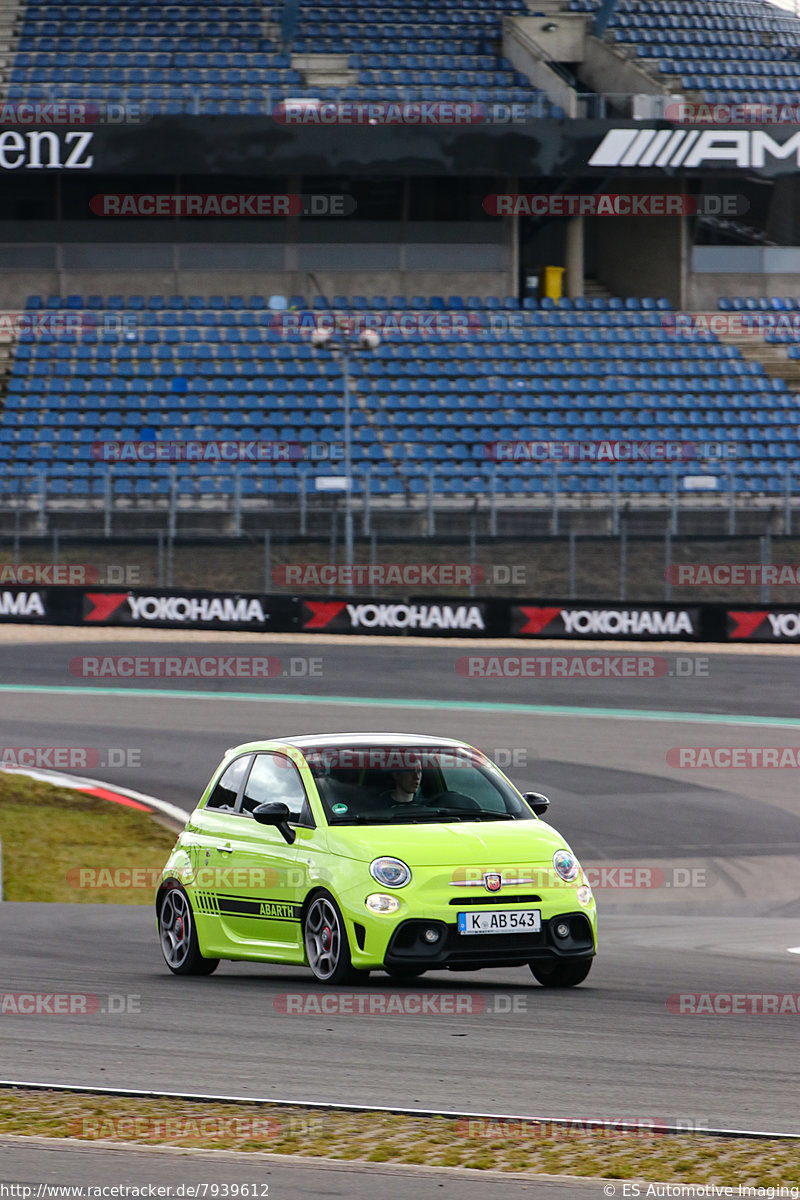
(458, 952)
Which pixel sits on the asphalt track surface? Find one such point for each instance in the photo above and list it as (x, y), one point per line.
(610, 1049)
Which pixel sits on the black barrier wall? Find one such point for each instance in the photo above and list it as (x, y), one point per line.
(432, 617)
(270, 145)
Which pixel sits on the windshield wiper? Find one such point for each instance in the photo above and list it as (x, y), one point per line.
(363, 819)
(470, 815)
(433, 814)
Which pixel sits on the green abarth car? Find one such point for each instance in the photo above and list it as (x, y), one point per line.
(355, 852)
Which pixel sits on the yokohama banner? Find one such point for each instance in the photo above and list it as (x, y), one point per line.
(579, 621)
(187, 610)
(434, 618)
(764, 625)
(19, 604)
(428, 616)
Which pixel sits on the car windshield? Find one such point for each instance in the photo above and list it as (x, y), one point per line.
(406, 786)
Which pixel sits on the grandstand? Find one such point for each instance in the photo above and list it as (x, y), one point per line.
(217, 58)
(187, 360)
(429, 407)
(735, 52)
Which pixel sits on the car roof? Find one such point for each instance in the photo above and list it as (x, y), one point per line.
(325, 741)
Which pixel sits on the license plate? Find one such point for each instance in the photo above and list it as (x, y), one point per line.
(513, 920)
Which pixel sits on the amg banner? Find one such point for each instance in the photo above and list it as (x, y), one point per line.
(576, 621)
(188, 610)
(409, 139)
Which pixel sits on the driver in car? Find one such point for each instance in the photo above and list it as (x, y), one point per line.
(406, 786)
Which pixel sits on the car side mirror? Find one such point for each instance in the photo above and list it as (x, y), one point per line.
(277, 814)
(538, 802)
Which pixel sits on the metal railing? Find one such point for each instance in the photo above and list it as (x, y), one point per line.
(37, 500)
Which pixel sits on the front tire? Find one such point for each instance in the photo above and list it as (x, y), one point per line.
(178, 935)
(561, 974)
(325, 940)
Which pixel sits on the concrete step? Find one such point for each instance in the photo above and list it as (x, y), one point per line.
(547, 8)
(774, 359)
(324, 70)
(594, 290)
(320, 62)
(315, 79)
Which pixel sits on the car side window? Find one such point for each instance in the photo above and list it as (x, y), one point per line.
(226, 792)
(273, 777)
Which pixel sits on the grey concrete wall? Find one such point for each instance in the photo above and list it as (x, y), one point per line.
(522, 38)
(435, 258)
(565, 43)
(705, 288)
(16, 286)
(641, 256)
(607, 70)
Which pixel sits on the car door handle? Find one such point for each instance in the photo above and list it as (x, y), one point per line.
(228, 849)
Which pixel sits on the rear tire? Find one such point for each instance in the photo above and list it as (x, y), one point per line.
(178, 935)
(561, 974)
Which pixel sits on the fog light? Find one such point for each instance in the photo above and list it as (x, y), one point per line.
(585, 896)
(380, 903)
(562, 929)
(431, 935)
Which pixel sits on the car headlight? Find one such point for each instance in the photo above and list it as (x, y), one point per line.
(391, 872)
(585, 895)
(379, 903)
(566, 865)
